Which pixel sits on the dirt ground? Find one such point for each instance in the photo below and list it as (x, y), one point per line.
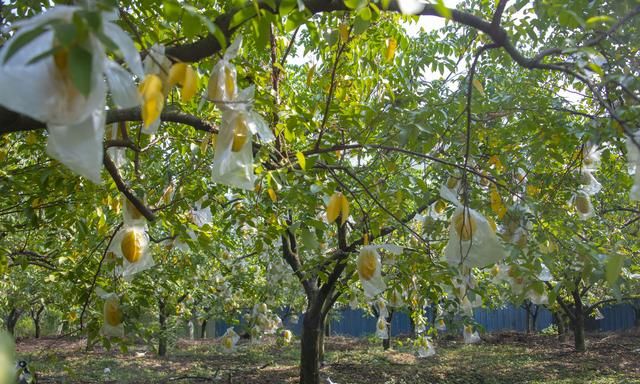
(501, 358)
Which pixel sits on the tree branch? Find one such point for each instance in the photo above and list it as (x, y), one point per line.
(122, 187)
(13, 122)
(33, 258)
(497, 16)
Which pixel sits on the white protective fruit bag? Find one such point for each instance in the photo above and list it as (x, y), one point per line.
(582, 203)
(470, 336)
(233, 159)
(131, 244)
(472, 240)
(588, 182)
(117, 154)
(131, 215)
(229, 340)
(45, 91)
(156, 63)
(370, 271)
(223, 87)
(425, 347)
(633, 159)
(112, 314)
(201, 216)
(381, 328)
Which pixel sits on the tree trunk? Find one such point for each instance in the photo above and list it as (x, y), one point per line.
(35, 316)
(562, 328)
(412, 325)
(192, 329)
(321, 338)
(386, 343)
(558, 320)
(36, 324)
(578, 322)
(63, 327)
(203, 329)
(531, 316)
(162, 338)
(312, 329)
(12, 320)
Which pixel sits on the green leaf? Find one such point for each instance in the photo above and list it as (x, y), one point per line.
(360, 24)
(309, 239)
(94, 19)
(241, 16)
(365, 13)
(287, 6)
(442, 9)
(569, 19)
(478, 86)
(44, 55)
(80, 66)
(295, 20)
(65, 34)
(356, 4)
(301, 160)
(597, 20)
(190, 24)
(613, 268)
(172, 10)
(21, 41)
(215, 31)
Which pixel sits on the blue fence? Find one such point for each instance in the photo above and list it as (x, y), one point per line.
(357, 323)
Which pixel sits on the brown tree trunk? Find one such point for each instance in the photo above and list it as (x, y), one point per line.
(312, 329)
(562, 328)
(578, 322)
(12, 320)
(386, 343)
(203, 329)
(35, 316)
(162, 338)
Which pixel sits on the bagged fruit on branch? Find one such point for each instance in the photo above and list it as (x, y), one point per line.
(131, 244)
(223, 88)
(112, 314)
(233, 159)
(369, 270)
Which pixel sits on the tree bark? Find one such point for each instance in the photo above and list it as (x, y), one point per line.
(203, 329)
(386, 343)
(321, 338)
(12, 320)
(578, 322)
(532, 314)
(35, 316)
(192, 329)
(312, 329)
(162, 319)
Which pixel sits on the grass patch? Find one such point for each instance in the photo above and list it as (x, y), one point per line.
(505, 358)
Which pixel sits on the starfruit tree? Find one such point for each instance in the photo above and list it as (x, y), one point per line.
(331, 135)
